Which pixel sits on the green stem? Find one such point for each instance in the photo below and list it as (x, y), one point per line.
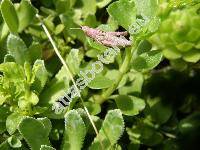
(123, 69)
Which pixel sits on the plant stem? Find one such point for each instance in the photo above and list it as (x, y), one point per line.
(70, 74)
(123, 69)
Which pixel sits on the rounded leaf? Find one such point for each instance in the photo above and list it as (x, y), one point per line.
(147, 61)
(130, 105)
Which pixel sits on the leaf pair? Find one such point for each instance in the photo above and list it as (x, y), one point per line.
(36, 132)
(126, 12)
(17, 19)
(19, 51)
(75, 131)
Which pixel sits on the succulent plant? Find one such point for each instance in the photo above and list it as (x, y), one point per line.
(179, 34)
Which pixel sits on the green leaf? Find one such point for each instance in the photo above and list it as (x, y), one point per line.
(136, 85)
(144, 134)
(47, 124)
(12, 71)
(9, 58)
(192, 56)
(17, 48)
(85, 118)
(114, 75)
(74, 60)
(130, 105)
(4, 31)
(34, 132)
(189, 124)
(158, 111)
(144, 46)
(146, 7)
(59, 29)
(96, 45)
(2, 127)
(26, 12)
(14, 142)
(9, 15)
(30, 98)
(123, 12)
(4, 113)
(69, 22)
(56, 88)
(185, 46)
(41, 75)
(110, 132)
(75, 131)
(91, 21)
(179, 64)
(4, 146)
(63, 5)
(12, 82)
(103, 3)
(13, 121)
(93, 108)
(89, 7)
(100, 82)
(92, 53)
(45, 147)
(171, 53)
(34, 52)
(147, 61)
(153, 25)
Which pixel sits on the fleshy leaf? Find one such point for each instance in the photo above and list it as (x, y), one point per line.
(4, 30)
(136, 86)
(13, 121)
(100, 82)
(143, 47)
(144, 134)
(158, 111)
(73, 60)
(192, 56)
(147, 61)
(4, 145)
(9, 58)
(9, 14)
(103, 3)
(123, 12)
(130, 105)
(17, 48)
(110, 132)
(189, 124)
(12, 71)
(56, 88)
(26, 12)
(47, 124)
(41, 75)
(147, 7)
(34, 132)
(96, 45)
(34, 52)
(14, 142)
(45, 147)
(93, 108)
(89, 7)
(75, 131)
(4, 112)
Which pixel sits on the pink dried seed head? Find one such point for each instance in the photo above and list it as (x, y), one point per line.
(91, 32)
(121, 41)
(85, 28)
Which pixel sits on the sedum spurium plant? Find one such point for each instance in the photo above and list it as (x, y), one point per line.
(146, 98)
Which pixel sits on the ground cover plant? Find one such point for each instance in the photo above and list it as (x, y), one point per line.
(146, 97)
